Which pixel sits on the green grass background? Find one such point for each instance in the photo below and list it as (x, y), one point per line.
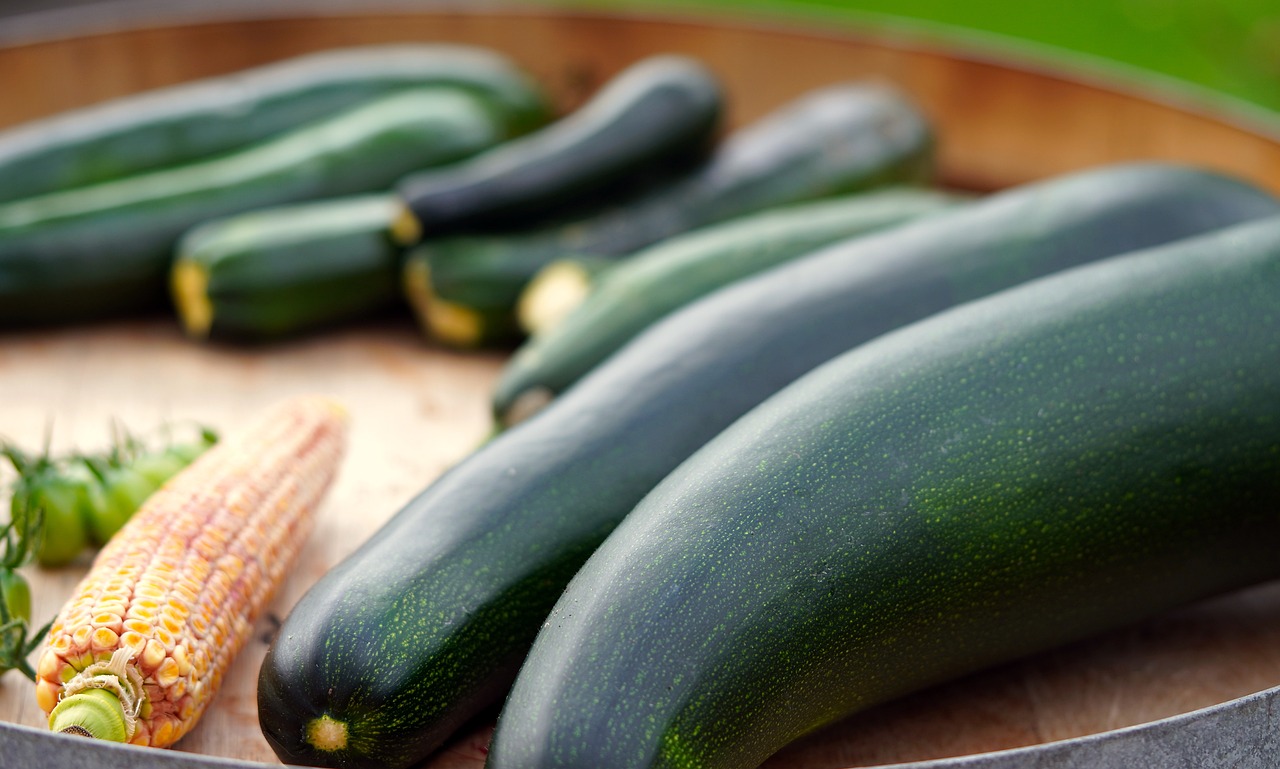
(1231, 47)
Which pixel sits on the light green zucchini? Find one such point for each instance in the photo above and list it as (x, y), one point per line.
(655, 281)
(190, 121)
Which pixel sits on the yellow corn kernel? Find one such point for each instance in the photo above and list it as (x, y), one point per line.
(49, 666)
(80, 637)
(104, 639)
(167, 673)
(174, 595)
(108, 620)
(183, 660)
(152, 656)
(163, 733)
(47, 694)
(134, 640)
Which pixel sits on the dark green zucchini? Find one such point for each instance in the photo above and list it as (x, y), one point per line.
(106, 249)
(663, 110)
(187, 122)
(666, 276)
(278, 272)
(1055, 460)
(426, 623)
(834, 140)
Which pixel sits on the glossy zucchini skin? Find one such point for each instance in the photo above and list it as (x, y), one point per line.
(280, 272)
(191, 121)
(662, 110)
(664, 277)
(104, 250)
(834, 140)
(1061, 458)
(426, 623)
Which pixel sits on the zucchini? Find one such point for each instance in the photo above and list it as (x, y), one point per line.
(673, 273)
(277, 272)
(663, 110)
(834, 140)
(190, 121)
(425, 624)
(1061, 458)
(105, 249)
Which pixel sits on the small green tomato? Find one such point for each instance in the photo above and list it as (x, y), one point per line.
(120, 493)
(60, 500)
(16, 594)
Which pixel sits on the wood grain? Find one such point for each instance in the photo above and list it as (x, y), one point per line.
(417, 408)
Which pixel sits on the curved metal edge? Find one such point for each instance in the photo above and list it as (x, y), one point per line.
(1242, 734)
(24, 747)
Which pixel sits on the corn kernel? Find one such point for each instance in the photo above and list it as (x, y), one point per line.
(49, 665)
(133, 640)
(47, 694)
(167, 673)
(80, 638)
(153, 655)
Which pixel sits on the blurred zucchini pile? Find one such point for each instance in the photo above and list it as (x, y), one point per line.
(299, 195)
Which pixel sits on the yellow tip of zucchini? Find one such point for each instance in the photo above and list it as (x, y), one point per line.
(555, 291)
(454, 324)
(190, 286)
(406, 230)
(327, 734)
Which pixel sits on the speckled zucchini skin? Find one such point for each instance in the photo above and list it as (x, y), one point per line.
(106, 249)
(662, 110)
(1063, 457)
(183, 123)
(834, 140)
(426, 623)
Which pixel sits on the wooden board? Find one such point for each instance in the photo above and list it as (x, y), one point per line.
(418, 408)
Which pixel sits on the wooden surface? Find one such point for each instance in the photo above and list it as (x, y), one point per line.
(416, 408)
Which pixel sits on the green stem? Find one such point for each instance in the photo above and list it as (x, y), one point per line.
(93, 713)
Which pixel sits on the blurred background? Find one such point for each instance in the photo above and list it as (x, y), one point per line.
(1229, 47)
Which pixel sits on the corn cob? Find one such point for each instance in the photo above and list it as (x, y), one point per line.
(140, 649)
